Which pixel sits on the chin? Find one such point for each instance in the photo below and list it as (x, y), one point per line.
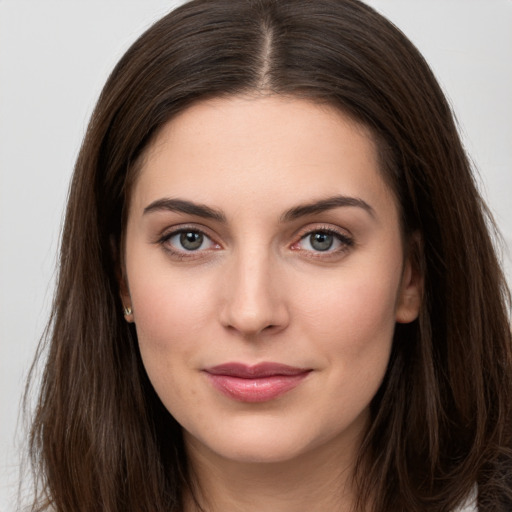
(250, 445)
(267, 442)
(264, 454)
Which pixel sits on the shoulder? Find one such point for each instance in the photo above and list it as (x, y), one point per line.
(470, 504)
(472, 507)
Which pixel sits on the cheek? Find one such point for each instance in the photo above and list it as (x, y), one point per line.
(353, 312)
(171, 317)
(352, 325)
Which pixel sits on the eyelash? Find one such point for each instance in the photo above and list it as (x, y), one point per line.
(346, 242)
(183, 254)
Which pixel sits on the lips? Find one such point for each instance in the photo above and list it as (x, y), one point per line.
(258, 383)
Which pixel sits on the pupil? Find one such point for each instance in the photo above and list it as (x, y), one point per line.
(321, 241)
(191, 241)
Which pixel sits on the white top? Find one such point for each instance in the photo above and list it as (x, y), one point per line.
(470, 505)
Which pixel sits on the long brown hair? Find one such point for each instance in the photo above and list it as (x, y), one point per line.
(441, 421)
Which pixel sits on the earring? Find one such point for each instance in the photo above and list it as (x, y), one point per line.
(127, 311)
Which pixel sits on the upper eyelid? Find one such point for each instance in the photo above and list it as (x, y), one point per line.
(330, 228)
(323, 230)
(180, 228)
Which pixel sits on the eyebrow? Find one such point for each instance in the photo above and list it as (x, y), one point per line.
(324, 205)
(182, 206)
(206, 212)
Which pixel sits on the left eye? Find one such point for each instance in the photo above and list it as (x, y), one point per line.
(324, 241)
(189, 240)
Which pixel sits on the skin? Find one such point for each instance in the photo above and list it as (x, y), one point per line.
(258, 289)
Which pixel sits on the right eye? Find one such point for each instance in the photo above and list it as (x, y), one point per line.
(185, 241)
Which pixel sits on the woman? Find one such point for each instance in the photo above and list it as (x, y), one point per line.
(277, 288)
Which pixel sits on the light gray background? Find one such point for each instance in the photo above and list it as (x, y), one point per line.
(54, 58)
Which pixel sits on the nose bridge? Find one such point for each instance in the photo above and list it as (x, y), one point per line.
(253, 301)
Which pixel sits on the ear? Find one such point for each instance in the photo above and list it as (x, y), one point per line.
(126, 299)
(124, 291)
(411, 287)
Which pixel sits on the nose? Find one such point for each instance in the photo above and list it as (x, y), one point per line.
(254, 296)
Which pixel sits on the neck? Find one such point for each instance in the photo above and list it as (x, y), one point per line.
(316, 481)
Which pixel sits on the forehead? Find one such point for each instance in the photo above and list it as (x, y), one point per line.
(259, 147)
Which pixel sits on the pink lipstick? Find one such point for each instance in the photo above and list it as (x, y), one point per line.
(258, 383)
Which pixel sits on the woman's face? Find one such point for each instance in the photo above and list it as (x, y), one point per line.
(265, 269)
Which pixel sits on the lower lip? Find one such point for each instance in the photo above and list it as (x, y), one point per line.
(253, 390)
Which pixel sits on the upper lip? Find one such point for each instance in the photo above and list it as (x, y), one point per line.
(256, 371)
